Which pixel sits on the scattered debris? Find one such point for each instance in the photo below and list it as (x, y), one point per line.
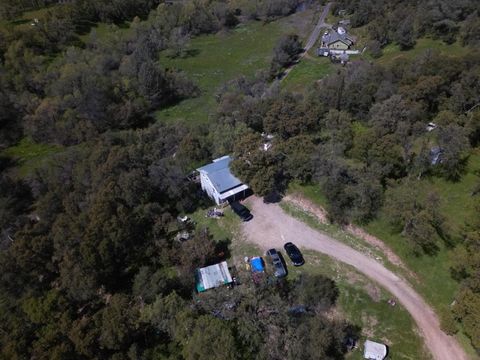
(391, 302)
(214, 213)
(431, 126)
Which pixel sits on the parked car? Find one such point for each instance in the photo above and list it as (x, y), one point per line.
(279, 268)
(241, 211)
(294, 254)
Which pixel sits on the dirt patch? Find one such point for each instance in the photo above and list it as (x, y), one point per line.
(308, 206)
(369, 323)
(371, 289)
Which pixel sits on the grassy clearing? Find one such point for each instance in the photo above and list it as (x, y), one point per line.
(30, 155)
(222, 228)
(215, 59)
(306, 72)
(393, 53)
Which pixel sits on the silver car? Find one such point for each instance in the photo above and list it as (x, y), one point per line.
(277, 263)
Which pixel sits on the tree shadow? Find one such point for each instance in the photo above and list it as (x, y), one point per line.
(222, 249)
(273, 198)
(6, 162)
(190, 53)
(284, 263)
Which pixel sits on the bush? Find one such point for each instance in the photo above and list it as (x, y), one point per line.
(447, 322)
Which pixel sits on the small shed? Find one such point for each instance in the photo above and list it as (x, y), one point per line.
(212, 276)
(375, 351)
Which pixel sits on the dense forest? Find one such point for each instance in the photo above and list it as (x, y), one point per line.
(88, 263)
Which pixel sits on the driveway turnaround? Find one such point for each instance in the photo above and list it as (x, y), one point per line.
(271, 227)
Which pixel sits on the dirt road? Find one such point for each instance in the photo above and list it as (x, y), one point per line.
(272, 227)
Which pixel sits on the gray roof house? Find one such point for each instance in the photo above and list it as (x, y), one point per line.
(334, 40)
(219, 183)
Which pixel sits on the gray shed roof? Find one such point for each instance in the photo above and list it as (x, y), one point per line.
(219, 174)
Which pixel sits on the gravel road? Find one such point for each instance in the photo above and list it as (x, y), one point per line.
(272, 227)
(318, 28)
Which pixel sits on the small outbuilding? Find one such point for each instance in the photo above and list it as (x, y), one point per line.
(212, 276)
(219, 183)
(375, 351)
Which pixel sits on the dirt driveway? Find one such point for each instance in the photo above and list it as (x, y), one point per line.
(272, 227)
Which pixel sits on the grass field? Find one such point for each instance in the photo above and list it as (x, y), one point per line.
(308, 70)
(216, 59)
(29, 155)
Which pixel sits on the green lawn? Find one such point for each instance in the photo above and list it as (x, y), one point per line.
(218, 58)
(306, 72)
(30, 155)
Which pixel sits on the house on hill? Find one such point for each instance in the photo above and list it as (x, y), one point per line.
(338, 40)
(219, 183)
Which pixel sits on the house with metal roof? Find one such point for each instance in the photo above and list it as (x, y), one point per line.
(212, 276)
(219, 183)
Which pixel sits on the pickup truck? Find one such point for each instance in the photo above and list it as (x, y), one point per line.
(279, 268)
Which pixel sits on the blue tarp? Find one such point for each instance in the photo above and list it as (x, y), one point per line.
(257, 264)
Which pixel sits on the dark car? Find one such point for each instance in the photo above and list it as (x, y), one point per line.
(279, 268)
(241, 211)
(294, 254)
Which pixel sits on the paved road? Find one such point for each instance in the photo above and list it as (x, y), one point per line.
(271, 225)
(312, 39)
(318, 28)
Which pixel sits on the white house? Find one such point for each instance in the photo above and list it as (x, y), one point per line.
(375, 351)
(219, 183)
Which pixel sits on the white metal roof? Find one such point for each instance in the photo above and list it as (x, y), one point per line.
(374, 350)
(213, 276)
(219, 174)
